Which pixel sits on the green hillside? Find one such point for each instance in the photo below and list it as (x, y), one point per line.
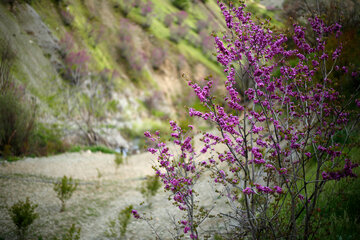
(102, 72)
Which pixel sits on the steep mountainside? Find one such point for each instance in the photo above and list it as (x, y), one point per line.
(100, 70)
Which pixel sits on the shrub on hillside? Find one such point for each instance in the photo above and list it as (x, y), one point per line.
(76, 64)
(201, 25)
(23, 215)
(181, 4)
(66, 17)
(158, 57)
(67, 43)
(146, 10)
(207, 44)
(177, 33)
(126, 6)
(134, 57)
(17, 124)
(181, 63)
(136, 3)
(181, 17)
(168, 20)
(17, 113)
(58, 1)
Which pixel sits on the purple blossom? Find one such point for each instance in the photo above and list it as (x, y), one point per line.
(278, 189)
(135, 214)
(248, 191)
(301, 197)
(152, 150)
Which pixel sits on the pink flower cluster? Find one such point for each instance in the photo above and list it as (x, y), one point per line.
(345, 172)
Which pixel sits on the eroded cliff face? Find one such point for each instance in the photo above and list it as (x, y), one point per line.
(31, 41)
(145, 71)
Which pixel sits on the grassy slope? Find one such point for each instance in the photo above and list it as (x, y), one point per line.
(88, 19)
(100, 53)
(36, 72)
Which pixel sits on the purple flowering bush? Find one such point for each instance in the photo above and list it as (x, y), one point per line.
(207, 44)
(202, 25)
(268, 134)
(76, 64)
(146, 11)
(127, 6)
(66, 17)
(181, 17)
(178, 32)
(158, 57)
(66, 43)
(168, 20)
(129, 51)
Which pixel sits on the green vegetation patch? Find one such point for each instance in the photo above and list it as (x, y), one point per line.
(102, 149)
(196, 55)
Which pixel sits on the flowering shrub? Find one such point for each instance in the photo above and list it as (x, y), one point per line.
(126, 7)
(136, 3)
(97, 34)
(181, 16)
(77, 65)
(158, 56)
(168, 20)
(129, 51)
(66, 43)
(207, 44)
(76, 62)
(181, 63)
(146, 10)
(201, 25)
(181, 4)
(177, 33)
(66, 17)
(289, 123)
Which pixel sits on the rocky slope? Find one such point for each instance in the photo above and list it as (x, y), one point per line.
(105, 71)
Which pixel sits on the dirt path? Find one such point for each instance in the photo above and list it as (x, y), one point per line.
(95, 201)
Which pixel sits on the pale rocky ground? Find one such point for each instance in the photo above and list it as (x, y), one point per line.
(96, 200)
(272, 3)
